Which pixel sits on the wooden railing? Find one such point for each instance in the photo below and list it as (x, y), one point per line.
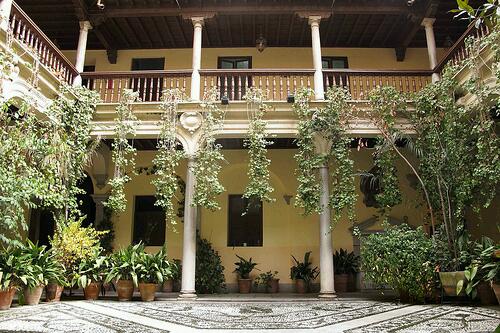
(458, 52)
(149, 84)
(28, 33)
(361, 82)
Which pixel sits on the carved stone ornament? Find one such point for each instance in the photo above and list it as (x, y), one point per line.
(191, 121)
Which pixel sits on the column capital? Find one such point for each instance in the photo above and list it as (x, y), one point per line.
(85, 25)
(428, 22)
(197, 20)
(314, 20)
(99, 198)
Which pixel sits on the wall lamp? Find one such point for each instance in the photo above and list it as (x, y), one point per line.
(224, 100)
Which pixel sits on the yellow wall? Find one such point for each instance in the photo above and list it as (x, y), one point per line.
(358, 58)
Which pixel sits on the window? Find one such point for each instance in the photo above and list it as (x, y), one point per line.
(234, 86)
(149, 88)
(149, 221)
(244, 227)
(331, 79)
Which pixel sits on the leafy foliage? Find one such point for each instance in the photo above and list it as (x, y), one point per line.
(209, 156)
(400, 258)
(10, 268)
(488, 12)
(209, 270)
(258, 187)
(244, 267)
(125, 264)
(265, 278)
(168, 157)
(304, 270)
(153, 268)
(123, 151)
(345, 262)
(91, 269)
(108, 237)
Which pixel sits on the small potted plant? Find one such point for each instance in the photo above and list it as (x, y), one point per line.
(269, 281)
(56, 282)
(303, 273)
(90, 275)
(243, 269)
(151, 270)
(174, 275)
(10, 268)
(124, 265)
(346, 266)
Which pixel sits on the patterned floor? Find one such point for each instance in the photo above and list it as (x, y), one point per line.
(211, 316)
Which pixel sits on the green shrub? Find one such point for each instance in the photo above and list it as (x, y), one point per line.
(209, 270)
(400, 258)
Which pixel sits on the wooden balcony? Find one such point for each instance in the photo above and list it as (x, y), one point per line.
(233, 84)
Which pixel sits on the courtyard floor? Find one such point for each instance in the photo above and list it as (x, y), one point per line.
(249, 314)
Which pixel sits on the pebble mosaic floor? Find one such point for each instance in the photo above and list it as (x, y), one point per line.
(353, 316)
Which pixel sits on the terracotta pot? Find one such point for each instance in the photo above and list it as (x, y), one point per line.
(91, 292)
(32, 296)
(125, 290)
(53, 292)
(341, 282)
(6, 297)
(148, 291)
(273, 286)
(486, 294)
(300, 286)
(245, 286)
(168, 286)
(351, 282)
(449, 282)
(496, 290)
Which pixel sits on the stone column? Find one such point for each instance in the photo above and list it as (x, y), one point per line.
(195, 77)
(189, 236)
(85, 26)
(5, 7)
(99, 200)
(431, 45)
(319, 90)
(327, 288)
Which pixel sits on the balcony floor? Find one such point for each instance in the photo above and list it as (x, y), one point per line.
(227, 313)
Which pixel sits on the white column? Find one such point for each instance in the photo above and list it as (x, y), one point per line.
(189, 237)
(85, 26)
(319, 90)
(195, 77)
(327, 288)
(431, 45)
(5, 7)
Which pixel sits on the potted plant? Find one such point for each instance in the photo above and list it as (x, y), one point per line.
(269, 281)
(90, 275)
(243, 269)
(124, 265)
(303, 273)
(346, 266)
(56, 282)
(10, 268)
(151, 270)
(174, 275)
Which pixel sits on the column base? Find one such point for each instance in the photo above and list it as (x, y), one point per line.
(188, 295)
(327, 295)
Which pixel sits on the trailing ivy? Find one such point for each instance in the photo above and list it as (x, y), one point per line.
(259, 187)
(209, 155)
(124, 153)
(168, 157)
(328, 125)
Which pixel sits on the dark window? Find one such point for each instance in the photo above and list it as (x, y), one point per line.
(331, 79)
(149, 88)
(244, 222)
(234, 86)
(149, 221)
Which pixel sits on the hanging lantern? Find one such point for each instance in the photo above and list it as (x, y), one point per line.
(261, 43)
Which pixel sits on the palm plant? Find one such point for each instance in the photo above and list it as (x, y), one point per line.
(38, 266)
(244, 267)
(304, 270)
(125, 264)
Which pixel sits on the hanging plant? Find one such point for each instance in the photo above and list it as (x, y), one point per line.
(330, 125)
(168, 157)
(124, 153)
(259, 187)
(209, 155)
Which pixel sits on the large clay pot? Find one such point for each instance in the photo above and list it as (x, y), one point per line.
(91, 292)
(496, 290)
(148, 291)
(341, 282)
(273, 286)
(32, 296)
(168, 286)
(6, 297)
(125, 290)
(300, 286)
(449, 282)
(244, 286)
(53, 292)
(486, 294)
